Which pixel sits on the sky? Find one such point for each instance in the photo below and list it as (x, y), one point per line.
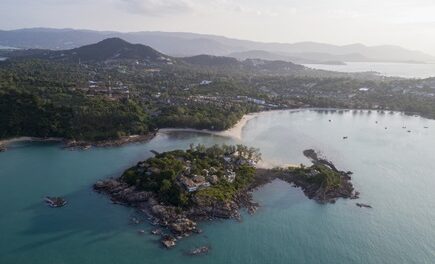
(407, 23)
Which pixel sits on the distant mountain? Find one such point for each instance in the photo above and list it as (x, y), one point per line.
(272, 66)
(228, 63)
(111, 49)
(209, 60)
(300, 58)
(265, 55)
(190, 44)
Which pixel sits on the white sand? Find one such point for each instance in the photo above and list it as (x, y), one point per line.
(234, 132)
(237, 129)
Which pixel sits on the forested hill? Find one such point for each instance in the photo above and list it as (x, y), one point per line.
(109, 49)
(116, 50)
(70, 116)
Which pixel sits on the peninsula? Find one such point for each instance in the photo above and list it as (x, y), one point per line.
(179, 188)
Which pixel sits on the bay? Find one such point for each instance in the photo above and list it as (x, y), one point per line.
(393, 170)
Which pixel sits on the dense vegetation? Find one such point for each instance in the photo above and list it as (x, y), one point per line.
(44, 94)
(320, 175)
(201, 116)
(27, 114)
(206, 170)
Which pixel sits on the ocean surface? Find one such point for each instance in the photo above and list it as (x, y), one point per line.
(390, 69)
(393, 169)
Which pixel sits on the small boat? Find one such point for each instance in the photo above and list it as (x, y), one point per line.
(55, 202)
(345, 137)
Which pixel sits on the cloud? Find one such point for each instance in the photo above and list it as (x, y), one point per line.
(156, 7)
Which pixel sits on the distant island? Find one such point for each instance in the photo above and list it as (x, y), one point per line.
(179, 188)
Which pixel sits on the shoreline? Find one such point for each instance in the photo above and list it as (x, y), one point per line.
(7, 142)
(79, 144)
(235, 132)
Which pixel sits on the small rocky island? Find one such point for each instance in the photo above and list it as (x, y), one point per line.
(179, 188)
(322, 181)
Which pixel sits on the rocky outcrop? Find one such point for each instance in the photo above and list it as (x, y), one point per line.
(122, 192)
(182, 226)
(168, 241)
(319, 191)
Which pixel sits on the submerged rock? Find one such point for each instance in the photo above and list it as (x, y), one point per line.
(55, 202)
(199, 251)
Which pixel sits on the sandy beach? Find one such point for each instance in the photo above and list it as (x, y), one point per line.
(234, 132)
(237, 129)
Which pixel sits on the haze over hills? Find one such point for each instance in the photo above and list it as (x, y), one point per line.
(191, 44)
(116, 50)
(110, 49)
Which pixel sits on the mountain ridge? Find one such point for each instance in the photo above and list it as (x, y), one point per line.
(190, 44)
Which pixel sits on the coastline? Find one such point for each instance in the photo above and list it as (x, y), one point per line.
(73, 144)
(6, 142)
(235, 131)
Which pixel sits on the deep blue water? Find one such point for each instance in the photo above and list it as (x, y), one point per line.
(393, 170)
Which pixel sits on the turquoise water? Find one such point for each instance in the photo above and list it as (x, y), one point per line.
(393, 169)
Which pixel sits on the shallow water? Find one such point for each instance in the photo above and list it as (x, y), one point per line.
(392, 168)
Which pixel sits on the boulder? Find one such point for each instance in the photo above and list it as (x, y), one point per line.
(183, 226)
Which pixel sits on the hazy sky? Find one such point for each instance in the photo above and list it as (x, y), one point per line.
(409, 23)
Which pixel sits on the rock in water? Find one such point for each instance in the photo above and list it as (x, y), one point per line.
(169, 241)
(363, 205)
(199, 251)
(55, 202)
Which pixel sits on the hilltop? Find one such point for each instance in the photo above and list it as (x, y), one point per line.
(111, 49)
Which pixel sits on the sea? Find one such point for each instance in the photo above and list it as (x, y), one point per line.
(393, 170)
(389, 69)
